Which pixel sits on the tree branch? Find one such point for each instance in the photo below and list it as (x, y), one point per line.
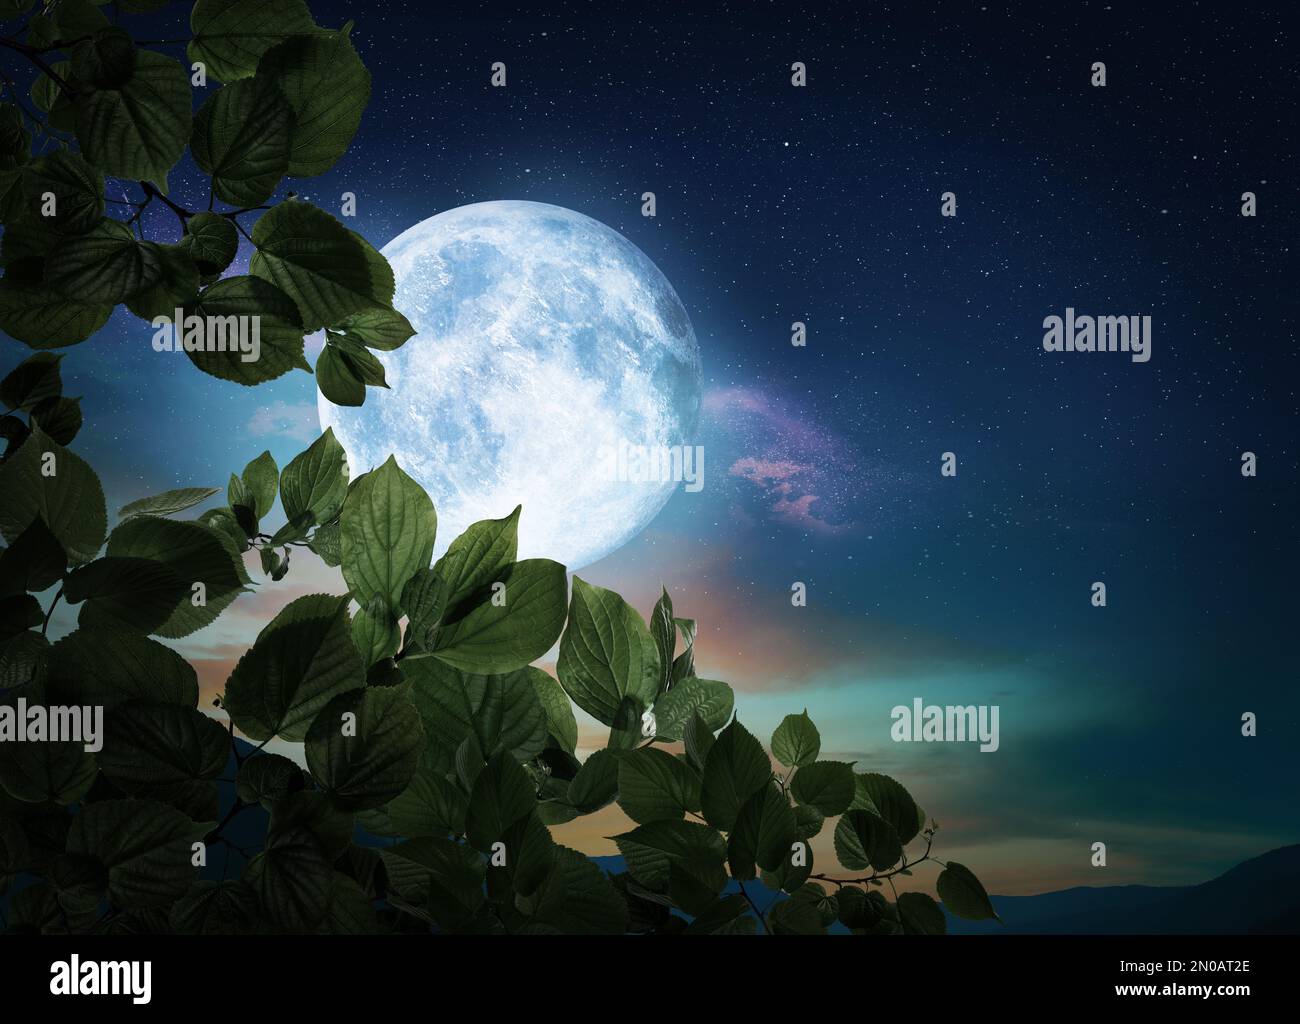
(34, 55)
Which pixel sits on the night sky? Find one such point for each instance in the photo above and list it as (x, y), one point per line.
(822, 205)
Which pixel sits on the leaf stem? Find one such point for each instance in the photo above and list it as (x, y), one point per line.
(879, 876)
(50, 613)
(754, 907)
(152, 192)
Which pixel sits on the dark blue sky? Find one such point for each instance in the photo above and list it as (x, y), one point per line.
(822, 204)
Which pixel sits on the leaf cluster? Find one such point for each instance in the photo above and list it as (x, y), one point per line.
(422, 722)
(106, 125)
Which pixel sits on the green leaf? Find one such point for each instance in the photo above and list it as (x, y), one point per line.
(795, 917)
(684, 663)
(360, 362)
(502, 712)
(596, 783)
(216, 908)
(197, 554)
(35, 561)
(238, 496)
(327, 87)
(725, 911)
(710, 699)
(477, 558)
(32, 381)
(655, 786)
(963, 894)
(388, 527)
(261, 479)
(77, 18)
(699, 740)
(430, 806)
(301, 661)
(42, 478)
(128, 594)
(796, 742)
(423, 597)
(865, 840)
(18, 614)
(529, 853)
(15, 139)
(826, 785)
(106, 60)
(364, 746)
(314, 811)
(327, 543)
(560, 720)
(23, 661)
(280, 334)
(381, 328)
(327, 270)
(763, 834)
(49, 96)
(338, 379)
(223, 521)
(212, 241)
(241, 138)
(735, 770)
(13, 8)
(501, 796)
(166, 752)
(103, 667)
(375, 632)
(350, 911)
(230, 36)
(652, 850)
(578, 898)
(43, 318)
(451, 872)
(168, 502)
(177, 285)
(266, 778)
(144, 845)
(60, 418)
(808, 820)
(606, 653)
(887, 798)
(51, 771)
(316, 481)
(138, 130)
(292, 879)
(515, 624)
(795, 869)
(853, 908)
(77, 187)
(664, 630)
(920, 915)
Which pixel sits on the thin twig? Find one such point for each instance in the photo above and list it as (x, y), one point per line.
(753, 906)
(49, 614)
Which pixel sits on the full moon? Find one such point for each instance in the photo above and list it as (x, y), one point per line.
(544, 342)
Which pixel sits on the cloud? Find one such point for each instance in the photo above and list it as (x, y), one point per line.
(765, 471)
(298, 421)
(800, 468)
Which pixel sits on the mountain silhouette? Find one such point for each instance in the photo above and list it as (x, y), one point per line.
(1260, 896)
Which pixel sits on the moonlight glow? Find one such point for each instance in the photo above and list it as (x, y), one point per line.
(542, 336)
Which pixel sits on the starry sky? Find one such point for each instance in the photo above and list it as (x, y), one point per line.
(821, 205)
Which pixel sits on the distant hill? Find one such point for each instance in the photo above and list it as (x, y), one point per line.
(1258, 896)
